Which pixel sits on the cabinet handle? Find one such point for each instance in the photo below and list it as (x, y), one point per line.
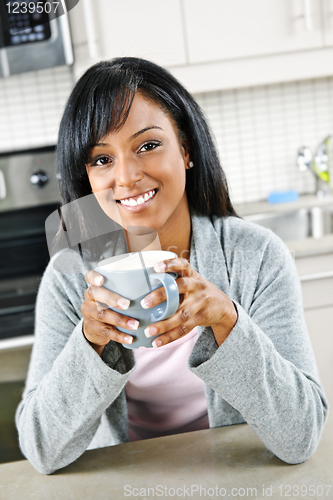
(316, 276)
(3, 191)
(90, 29)
(307, 15)
(4, 63)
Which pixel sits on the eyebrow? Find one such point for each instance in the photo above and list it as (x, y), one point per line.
(142, 131)
(145, 130)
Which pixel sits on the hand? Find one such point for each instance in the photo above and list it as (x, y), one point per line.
(201, 304)
(99, 322)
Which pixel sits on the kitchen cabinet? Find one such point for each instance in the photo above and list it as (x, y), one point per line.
(242, 44)
(327, 13)
(140, 28)
(211, 45)
(239, 29)
(14, 363)
(316, 275)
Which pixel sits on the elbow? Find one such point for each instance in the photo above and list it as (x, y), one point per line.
(297, 457)
(42, 468)
(38, 459)
(305, 441)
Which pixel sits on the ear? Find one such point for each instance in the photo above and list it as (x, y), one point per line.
(186, 153)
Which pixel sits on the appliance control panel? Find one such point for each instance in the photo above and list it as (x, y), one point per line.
(34, 35)
(26, 25)
(28, 178)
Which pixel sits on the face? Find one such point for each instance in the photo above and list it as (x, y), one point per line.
(138, 172)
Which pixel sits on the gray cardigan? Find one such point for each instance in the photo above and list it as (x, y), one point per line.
(263, 374)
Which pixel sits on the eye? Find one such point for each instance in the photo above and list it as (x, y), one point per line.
(100, 161)
(149, 146)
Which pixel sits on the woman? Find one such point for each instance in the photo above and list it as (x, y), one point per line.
(236, 350)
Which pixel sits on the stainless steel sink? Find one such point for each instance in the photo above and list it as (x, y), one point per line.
(314, 222)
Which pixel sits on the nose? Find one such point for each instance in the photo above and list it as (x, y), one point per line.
(127, 173)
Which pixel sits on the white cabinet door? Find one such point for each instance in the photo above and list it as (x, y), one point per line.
(142, 28)
(317, 289)
(320, 326)
(218, 30)
(327, 9)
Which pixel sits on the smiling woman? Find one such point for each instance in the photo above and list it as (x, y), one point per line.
(236, 350)
(145, 163)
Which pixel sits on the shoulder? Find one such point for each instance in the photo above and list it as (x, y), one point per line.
(241, 240)
(236, 230)
(232, 231)
(256, 248)
(63, 279)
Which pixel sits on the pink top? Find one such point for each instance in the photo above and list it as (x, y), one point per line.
(163, 396)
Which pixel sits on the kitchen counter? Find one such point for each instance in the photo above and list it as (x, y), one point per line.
(301, 247)
(217, 463)
(304, 201)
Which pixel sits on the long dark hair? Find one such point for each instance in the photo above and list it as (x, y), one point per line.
(100, 103)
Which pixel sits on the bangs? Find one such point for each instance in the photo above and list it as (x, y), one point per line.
(108, 101)
(109, 113)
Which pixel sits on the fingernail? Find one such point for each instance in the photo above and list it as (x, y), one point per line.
(146, 303)
(128, 339)
(133, 324)
(156, 343)
(150, 331)
(98, 280)
(160, 266)
(123, 303)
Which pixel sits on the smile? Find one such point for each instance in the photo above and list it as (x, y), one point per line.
(139, 199)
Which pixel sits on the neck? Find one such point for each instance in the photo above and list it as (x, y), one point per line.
(175, 236)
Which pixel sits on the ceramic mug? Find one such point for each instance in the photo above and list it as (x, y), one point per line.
(132, 276)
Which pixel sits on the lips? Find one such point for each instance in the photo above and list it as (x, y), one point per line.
(139, 199)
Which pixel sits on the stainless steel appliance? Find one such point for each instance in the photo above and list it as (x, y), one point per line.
(28, 195)
(33, 35)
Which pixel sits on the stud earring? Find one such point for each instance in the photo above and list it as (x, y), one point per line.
(190, 164)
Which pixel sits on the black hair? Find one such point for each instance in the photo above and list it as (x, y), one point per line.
(100, 102)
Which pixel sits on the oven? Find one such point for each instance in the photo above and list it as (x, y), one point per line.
(28, 195)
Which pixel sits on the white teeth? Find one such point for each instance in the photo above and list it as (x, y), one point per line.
(131, 202)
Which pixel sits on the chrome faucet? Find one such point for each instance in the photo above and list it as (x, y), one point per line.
(319, 165)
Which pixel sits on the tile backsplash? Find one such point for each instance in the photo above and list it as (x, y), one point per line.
(31, 106)
(257, 130)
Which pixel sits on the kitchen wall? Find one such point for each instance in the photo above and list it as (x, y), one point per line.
(31, 105)
(257, 130)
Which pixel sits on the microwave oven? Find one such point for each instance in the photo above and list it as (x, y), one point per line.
(33, 37)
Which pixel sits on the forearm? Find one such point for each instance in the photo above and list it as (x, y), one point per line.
(59, 416)
(284, 405)
(225, 327)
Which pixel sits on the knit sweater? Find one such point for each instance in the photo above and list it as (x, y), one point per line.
(264, 373)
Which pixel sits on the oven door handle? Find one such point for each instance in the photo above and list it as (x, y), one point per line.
(3, 190)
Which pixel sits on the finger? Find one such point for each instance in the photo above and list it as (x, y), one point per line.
(105, 296)
(152, 299)
(185, 286)
(101, 333)
(178, 265)
(184, 316)
(172, 335)
(109, 317)
(94, 278)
